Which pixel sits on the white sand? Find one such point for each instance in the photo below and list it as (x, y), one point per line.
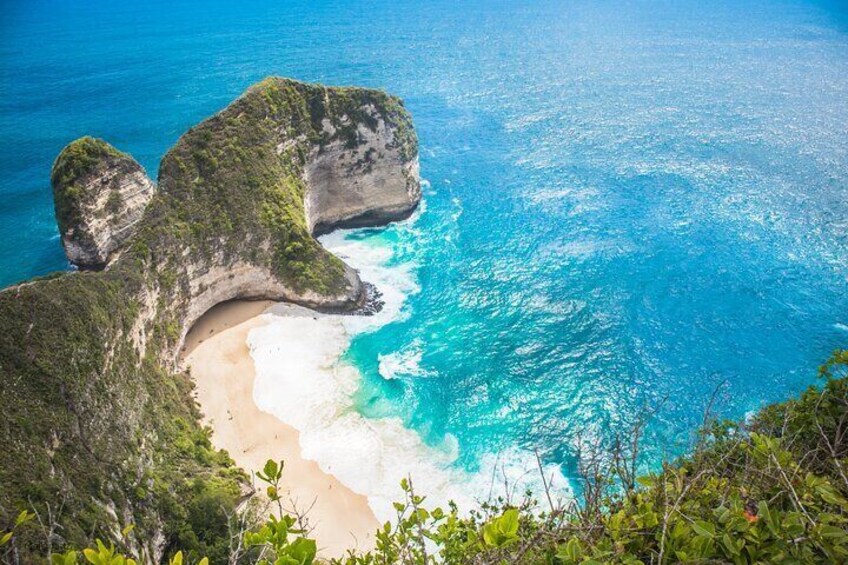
(217, 352)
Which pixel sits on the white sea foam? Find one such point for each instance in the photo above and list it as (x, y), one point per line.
(406, 362)
(301, 380)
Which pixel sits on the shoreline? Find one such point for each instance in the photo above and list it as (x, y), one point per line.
(305, 381)
(217, 353)
(301, 386)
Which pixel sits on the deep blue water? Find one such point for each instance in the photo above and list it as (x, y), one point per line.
(632, 204)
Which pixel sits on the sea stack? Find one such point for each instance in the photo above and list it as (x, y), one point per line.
(99, 195)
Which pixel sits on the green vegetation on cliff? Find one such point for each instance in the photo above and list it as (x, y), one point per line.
(100, 430)
(234, 184)
(77, 160)
(96, 437)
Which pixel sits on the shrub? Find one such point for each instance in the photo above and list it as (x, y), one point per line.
(774, 491)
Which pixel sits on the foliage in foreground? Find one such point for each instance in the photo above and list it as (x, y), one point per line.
(772, 491)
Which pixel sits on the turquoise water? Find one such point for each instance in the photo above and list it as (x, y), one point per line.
(631, 204)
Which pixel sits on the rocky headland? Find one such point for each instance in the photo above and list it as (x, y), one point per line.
(98, 420)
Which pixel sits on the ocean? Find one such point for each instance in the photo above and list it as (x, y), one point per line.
(634, 212)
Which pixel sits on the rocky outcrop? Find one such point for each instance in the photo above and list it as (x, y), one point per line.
(95, 414)
(368, 179)
(100, 195)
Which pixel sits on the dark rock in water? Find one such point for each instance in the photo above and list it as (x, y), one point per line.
(373, 301)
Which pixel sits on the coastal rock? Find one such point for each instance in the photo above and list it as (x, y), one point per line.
(99, 195)
(96, 412)
(367, 178)
(283, 163)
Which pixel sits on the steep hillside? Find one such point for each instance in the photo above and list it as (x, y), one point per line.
(96, 423)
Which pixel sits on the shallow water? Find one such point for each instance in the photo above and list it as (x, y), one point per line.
(631, 204)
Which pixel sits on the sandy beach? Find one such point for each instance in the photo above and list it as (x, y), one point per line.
(217, 353)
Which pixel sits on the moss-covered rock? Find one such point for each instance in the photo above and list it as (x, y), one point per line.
(99, 194)
(95, 415)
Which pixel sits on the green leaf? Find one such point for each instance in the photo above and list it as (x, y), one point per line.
(5, 539)
(101, 547)
(647, 481)
(830, 495)
(23, 518)
(508, 523)
(832, 532)
(490, 535)
(302, 550)
(68, 558)
(570, 552)
(270, 471)
(704, 528)
(765, 513)
(729, 545)
(91, 556)
(498, 532)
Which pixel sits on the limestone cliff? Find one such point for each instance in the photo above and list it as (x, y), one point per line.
(364, 178)
(99, 194)
(94, 415)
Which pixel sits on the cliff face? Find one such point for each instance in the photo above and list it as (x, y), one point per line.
(100, 194)
(363, 178)
(94, 415)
